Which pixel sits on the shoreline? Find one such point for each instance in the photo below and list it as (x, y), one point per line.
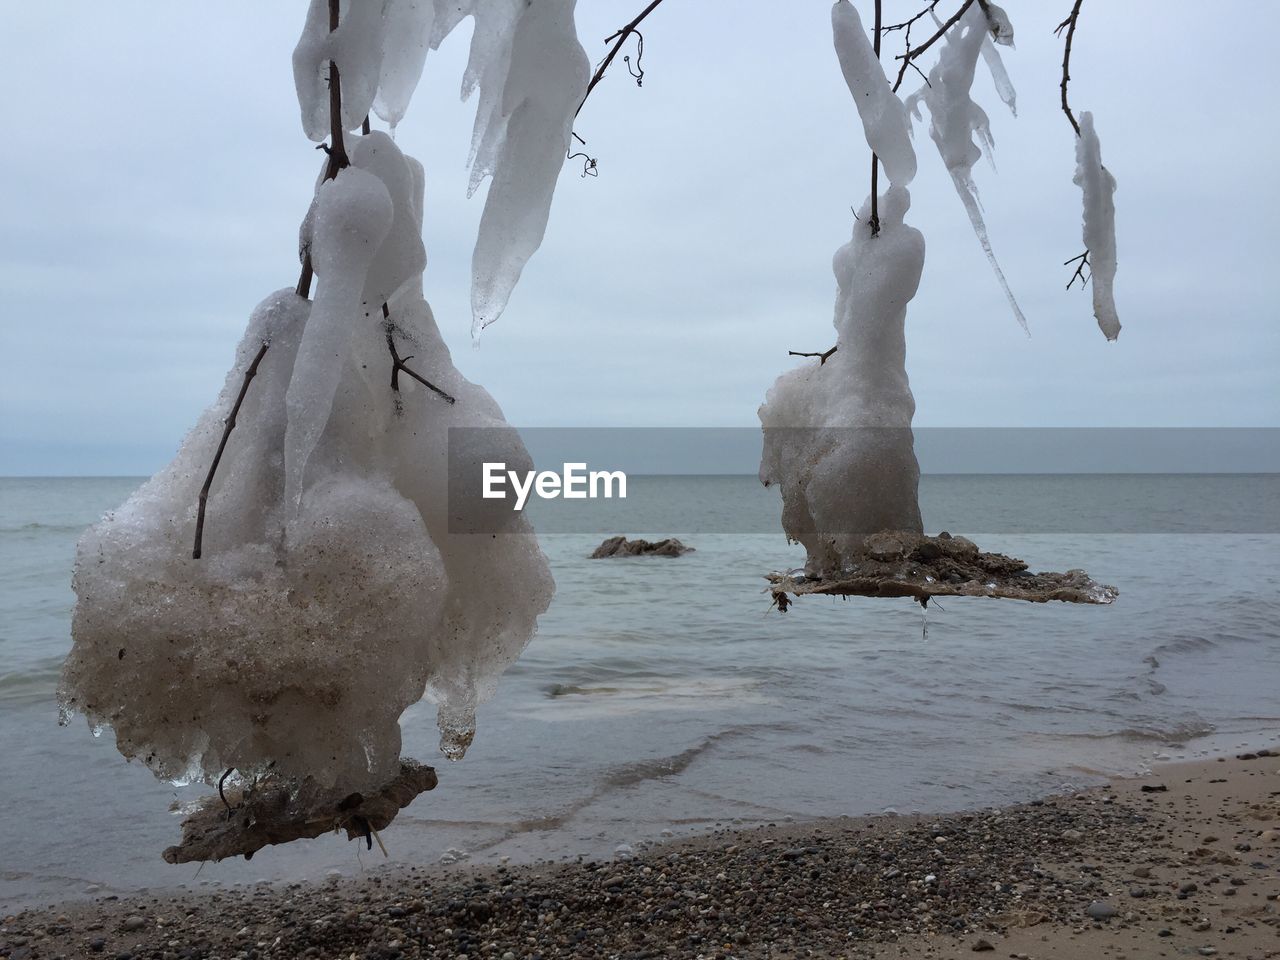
(1185, 858)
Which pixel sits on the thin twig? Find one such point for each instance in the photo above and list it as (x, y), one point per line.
(1069, 25)
(398, 363)
(621, 37)
(911, 54)
(1081, 261)
(230, 424)
(822, 357)
(906, 24)
(336, 151)
(875, 161)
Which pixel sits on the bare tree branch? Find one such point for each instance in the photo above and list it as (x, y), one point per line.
(228, 426)
(911, 54)
(620, 36)
(1081, 261)
(875, 161)
(1069, 25)
(822, 357)
(399, 363)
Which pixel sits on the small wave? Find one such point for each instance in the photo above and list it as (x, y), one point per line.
(33, 684)
(44, 528)
(1187, 644)
(1173, 733)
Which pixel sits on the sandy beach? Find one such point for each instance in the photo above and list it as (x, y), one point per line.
(1182, 862)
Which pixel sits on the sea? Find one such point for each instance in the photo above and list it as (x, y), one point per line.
(664, 697)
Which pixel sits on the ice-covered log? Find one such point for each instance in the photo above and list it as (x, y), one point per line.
(241, 823)
(885, 121)
(1098, 187)
(907, 564)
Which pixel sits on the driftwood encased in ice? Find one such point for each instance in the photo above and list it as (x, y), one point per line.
(905, 564)
(277, 812)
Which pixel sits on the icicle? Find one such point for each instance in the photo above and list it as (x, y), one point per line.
(408, 26)
(1098, 186)
(545, 84)
(884, 117)
(954, 119)
(1000, 76)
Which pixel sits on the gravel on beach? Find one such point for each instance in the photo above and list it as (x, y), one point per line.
(1180, 863)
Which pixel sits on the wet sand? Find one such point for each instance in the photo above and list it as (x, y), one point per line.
(1182, 862)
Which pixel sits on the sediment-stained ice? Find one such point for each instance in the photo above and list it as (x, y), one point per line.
(331, 593)
(884, 117)
(1099, 187)
(954, 119)
(837, 433)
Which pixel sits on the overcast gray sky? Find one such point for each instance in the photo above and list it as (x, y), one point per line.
(157, 172)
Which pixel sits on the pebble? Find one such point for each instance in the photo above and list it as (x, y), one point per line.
(982, 946)
(132, 924)
(1101, 910)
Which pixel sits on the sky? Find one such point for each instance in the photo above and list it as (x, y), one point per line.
(157, 173)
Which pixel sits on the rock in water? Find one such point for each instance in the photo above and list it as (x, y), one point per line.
(622, 547)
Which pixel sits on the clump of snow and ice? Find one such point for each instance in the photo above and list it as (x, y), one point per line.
(954, 119)
(331, 593)
(531, 73)
(837, 433)
(1099, 187)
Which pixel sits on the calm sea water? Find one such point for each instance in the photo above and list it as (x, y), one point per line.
(664, 696)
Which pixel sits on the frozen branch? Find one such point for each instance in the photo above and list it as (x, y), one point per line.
(911, 54)
(399, 363)
(875, 160)
(229, 425)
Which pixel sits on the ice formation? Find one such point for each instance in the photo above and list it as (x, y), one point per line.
(531, 73)
(545, 84)
(884, 117)
(1098, 186)
(954, 119)
(837, 434)
(331, 594)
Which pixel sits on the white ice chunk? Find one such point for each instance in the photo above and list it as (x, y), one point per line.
(954, 119)
(401, 257)
(1099, 187)
(353, 214)
(546, 81)
(408, 26)
(837, 435)
(884, 117)
(999, 26)
(355, 46)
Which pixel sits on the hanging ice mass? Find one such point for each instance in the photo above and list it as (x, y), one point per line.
(325, 593)
(837, 430)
